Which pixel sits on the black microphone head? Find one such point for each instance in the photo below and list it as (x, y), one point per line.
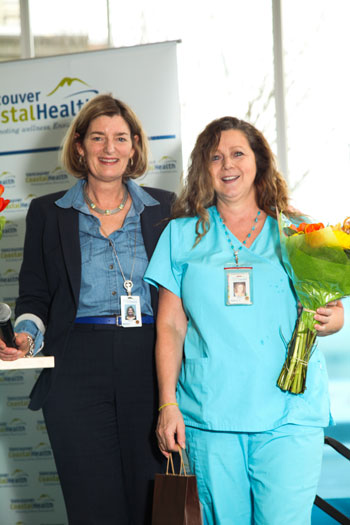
(5, 312)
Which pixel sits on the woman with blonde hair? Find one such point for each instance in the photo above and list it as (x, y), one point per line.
(85, 254)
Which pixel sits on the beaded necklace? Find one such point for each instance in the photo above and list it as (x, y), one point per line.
(229, 240)
(94, 206)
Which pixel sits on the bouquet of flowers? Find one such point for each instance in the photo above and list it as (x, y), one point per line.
(3, 204)
(317, 259)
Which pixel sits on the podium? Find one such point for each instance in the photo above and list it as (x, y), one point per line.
(28, 362)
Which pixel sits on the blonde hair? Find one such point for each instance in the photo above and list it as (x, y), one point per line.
(96, 107)
(198, 192)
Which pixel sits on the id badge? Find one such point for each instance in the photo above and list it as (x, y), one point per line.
(130, 311)
(238, 285)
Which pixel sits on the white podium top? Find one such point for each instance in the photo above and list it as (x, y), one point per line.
(28, 362)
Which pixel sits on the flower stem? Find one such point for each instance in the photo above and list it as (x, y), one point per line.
(293, 374)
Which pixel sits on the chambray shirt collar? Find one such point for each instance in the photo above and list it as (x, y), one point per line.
(74, 198)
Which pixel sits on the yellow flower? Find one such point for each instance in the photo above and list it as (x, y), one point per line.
(343, 239)
(322, 238)
(328, 237)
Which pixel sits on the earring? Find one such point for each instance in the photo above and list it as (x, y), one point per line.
(82, 161)
(131, 162)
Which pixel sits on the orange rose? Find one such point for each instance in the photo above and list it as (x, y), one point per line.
(313, 227)
(302, 226)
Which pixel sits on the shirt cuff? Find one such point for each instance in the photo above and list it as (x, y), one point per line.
(31, 328)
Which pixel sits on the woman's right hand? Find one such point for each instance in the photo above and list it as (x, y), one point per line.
(8, 353)
(170, 430)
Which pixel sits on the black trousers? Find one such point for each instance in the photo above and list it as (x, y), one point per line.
(100, 417)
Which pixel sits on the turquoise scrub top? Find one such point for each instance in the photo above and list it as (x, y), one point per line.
(233, 354)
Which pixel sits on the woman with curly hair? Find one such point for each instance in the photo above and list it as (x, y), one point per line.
(256, 451)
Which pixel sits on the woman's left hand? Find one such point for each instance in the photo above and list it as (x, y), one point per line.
(8, 353)
(330, 318)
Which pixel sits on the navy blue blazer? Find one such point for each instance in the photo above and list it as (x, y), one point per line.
(50, 275)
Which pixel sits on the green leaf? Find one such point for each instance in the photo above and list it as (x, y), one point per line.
(2, 224)
(288, 231)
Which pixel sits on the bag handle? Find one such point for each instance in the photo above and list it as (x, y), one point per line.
(182, 464)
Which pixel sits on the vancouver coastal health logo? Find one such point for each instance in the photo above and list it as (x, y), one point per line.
(16, 426)
(16, 478)
(30, 107)
(42, 451)
(43, 503)
(8, 179)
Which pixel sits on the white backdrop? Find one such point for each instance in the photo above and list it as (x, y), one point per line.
(38, 99)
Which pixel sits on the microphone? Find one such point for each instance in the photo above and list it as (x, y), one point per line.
(6, 329)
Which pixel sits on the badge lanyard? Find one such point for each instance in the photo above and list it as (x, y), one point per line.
(130, 306)
(238, 279)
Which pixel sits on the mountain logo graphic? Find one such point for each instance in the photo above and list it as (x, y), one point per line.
(68, 81)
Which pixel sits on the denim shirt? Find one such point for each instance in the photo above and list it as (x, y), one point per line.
(101, 279)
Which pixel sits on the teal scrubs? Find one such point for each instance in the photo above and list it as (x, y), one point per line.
(233, 354)
(263, 478)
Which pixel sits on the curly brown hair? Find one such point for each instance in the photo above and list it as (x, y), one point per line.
(198, 192)
(96, 107)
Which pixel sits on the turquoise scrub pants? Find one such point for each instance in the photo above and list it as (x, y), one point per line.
(262, 478)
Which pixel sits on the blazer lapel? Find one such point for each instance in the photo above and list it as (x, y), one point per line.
(68, 223)
(151, 227)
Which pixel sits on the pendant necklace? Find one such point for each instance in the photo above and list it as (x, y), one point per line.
(229, 240)
(94, 207)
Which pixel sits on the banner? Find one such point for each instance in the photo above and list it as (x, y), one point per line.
(38, 99)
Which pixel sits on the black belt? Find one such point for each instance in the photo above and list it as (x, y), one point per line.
(113, 319)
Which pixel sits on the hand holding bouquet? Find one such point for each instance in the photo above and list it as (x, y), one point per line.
(317, 259)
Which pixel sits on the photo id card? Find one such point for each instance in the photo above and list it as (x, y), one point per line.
(238, 285)
(130, 310)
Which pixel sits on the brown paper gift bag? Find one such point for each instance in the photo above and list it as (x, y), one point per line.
(175, 497)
